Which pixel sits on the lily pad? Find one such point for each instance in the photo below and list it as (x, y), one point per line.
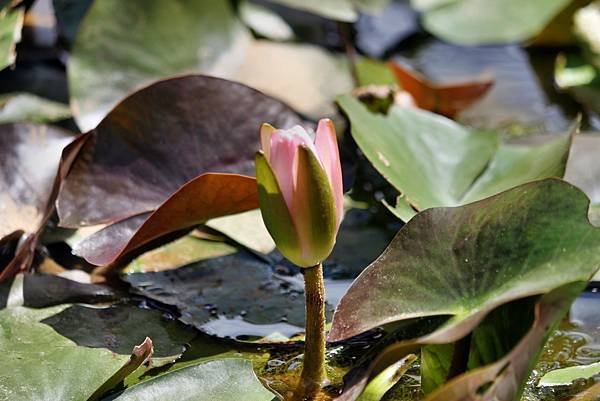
(255, 301)
(526, 241)
(26, 107)
(484, 22)
(119, 328)
(11, 22)
(197, 36)
(167, 113)
(504, 380)
(265, 22)
(410, 148)
(208, 39)
(517, 102)
(247, 229)
(219, 380)
(565, 376)
(45, 365)
(178, 253)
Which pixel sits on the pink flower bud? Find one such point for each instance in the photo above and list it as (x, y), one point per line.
(300, 190)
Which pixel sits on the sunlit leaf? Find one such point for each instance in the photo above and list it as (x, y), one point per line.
(573, 75)
(522, 242)
(478, 22)
(219, 380)
(264, 21)
(25, 107)
(341, 10)
(565, 376)
(434, 161)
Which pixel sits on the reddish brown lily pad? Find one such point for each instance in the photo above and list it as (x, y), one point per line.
(209, 195)
(144, 167)
(445, 99)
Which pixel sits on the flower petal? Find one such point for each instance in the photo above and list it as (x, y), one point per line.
(266, 130)
(282, 158)
(328, 152)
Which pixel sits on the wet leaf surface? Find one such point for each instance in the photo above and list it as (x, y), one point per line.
(565, 376)
(219, 380)
(119, 328)
(484, 22)
(482, 255)
(254, 300)
(43, 290)
(408, 140)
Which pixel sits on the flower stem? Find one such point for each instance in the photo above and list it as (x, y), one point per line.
(313, 369)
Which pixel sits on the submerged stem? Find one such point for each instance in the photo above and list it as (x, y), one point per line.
(313, 368)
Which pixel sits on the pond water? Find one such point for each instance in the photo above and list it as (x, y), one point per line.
(576, 342)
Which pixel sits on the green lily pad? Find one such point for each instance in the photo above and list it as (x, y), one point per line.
(180, 252)
(565, 376)
(120, 328)
(265, 22)
(480, 22)
(26, 107)
(41, 364)
(247, 229)
(464, 262)
(219, 380)
(199, 37)
(135, 37)
(434, 161)
(11, 22)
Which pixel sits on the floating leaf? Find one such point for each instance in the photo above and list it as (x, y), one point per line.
(207, 196)
(410, 149)
(219, 380)
(37, 354)
(178, 253)
(119, 328)
(504, 379)
(517, 102)
(25, 107)
(11, 22)
(565, 376)
(247, 229)
(183, 121)
(207, 38)
(265, 22)
(446, 99)
(481, 22)
(526, 241)
(254, 302)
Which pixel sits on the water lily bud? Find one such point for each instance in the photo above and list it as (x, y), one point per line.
(300, 190)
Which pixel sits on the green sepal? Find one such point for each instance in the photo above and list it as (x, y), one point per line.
(314, 206)
(274, 210)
